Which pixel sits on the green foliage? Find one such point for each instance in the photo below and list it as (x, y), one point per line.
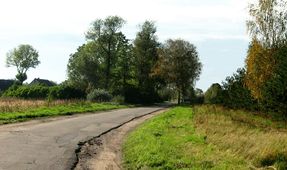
(27, 92)
(214, 94)
(274, 91)
(167, 94)
(21, 77)
(106, 33)
(65, 92)
(84, 69)
(99, 95)
(136, 95)
(42, 92)
(178, 64)
(146, 56)
(23, 58)
(235, 94)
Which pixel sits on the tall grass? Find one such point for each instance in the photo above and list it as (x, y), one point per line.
(208, 137)
(17, 105)
(260, 140)
(15, 110)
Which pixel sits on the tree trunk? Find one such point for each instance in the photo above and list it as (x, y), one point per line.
(179, 97)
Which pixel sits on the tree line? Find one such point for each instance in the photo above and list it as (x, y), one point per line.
(262, 84)
(138, 70)
(142, 70)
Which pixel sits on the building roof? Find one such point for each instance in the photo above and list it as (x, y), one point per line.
(43, 82)
(5, 84)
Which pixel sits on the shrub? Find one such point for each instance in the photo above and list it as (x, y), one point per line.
(27, 92)
(118, 99)
(135, 95)
(214, 94)
(235, 94)
(65, 92)
(99, 95)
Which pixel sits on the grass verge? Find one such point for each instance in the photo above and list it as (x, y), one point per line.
(207, 137)
(56, 110)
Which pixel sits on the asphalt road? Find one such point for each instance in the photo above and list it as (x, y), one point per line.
(51, 143)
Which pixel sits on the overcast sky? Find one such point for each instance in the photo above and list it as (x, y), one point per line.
(56, 28)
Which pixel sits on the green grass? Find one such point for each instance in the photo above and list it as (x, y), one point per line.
(206, 137)
(56, 110)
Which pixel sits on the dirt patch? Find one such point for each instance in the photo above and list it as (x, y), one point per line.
(104, 152)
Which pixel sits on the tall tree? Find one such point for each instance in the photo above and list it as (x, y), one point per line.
(107, 35)
(125, 66)
(260, 64)
(145, 50)
(268, 21)
(23, 58)
(84, 67)
(268, 28)
(178, 64)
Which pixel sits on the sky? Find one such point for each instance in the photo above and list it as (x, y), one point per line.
(56, 28)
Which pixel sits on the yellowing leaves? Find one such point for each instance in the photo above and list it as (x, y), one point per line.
(260, 65)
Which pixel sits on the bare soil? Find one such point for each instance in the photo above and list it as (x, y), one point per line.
(105, 151)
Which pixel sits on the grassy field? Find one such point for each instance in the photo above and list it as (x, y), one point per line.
(14, 110)
(207, 137)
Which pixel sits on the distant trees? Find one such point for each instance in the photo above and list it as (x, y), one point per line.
(109, 61)
(178, 64)
(23, 58)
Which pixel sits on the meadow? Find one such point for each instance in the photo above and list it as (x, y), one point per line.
(207, 137)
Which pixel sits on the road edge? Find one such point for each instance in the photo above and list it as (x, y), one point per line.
(89, 141)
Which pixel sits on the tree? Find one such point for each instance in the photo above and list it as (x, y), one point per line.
(235, 94)
(178, 64)
(260, 64)
(274, 90)
(84, 67)
(268, 21)
(146, 56)
(124, 72)
(23, 58)
(107, 35)
(214, 94)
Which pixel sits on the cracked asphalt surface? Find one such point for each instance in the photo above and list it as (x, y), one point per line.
(51, 143)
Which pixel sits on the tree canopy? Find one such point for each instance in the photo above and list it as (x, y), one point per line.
(178, 64)
(23, 58)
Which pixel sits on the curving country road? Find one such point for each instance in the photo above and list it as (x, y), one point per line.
(51, 143)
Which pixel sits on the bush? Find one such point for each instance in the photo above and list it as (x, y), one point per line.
(118, 99)
(214, 94)
(99, 95)
(66, 92)
(135, 95)
(235, 94)
(27, 92)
